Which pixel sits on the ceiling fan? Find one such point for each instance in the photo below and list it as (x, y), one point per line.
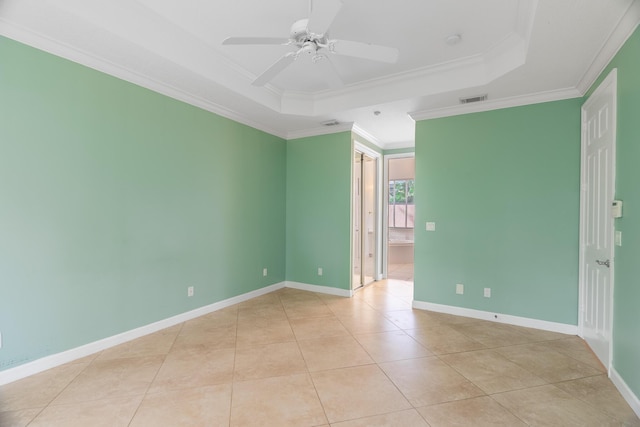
(310, 36)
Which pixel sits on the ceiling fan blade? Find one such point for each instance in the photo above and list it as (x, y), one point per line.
(328, 71)
(323, 13)
(255, 40)
(364, 50)
(275, 69)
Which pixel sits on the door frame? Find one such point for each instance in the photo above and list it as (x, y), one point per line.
(610, 80)
(377, 157)
(385, 208)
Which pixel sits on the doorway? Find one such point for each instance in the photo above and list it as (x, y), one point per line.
(365, 254)
(400, 212)
(596, 220)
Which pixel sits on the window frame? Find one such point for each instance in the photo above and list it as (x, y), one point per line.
(392, 203)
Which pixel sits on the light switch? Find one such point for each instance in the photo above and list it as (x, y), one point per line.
(431, 226)
(618, 238)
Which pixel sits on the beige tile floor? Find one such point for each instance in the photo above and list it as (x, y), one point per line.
(295, 358)
(400, 272)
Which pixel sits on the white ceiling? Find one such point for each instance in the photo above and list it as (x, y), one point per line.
(516, 51)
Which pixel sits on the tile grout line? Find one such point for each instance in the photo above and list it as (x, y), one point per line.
(233, 372)
(164, 359)
(315, 389)
(385, 373)
(63, 389)
(352, 335)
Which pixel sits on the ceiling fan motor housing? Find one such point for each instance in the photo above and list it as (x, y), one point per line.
(299, 30)
(310, 48)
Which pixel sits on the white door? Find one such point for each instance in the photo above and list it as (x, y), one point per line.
(356, 280)
(368, 221)
(364, 220)
(596, 221)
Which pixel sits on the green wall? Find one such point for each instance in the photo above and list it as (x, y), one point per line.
(114, 199)
(503, 189)
(406, 150)
(626, 323)
(319, 210)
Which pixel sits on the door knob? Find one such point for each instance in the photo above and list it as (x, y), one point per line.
(605, 263)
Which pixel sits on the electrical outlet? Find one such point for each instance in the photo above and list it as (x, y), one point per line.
(190, 291)
(431, 226)
(487, 292)
(319, 271)
(618, 238)
(264, 272)
(459, 289)
(0, 339)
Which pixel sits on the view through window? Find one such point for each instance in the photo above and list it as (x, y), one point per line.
(401, 205)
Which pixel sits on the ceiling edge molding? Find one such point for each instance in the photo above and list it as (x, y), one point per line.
(318, 131)
(56, 48)
(516, 101)
(356, 95)
(366, 135)
(400, 144)
(625, 28)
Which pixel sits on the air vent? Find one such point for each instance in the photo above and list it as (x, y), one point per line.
(471, 99)
(332, 122)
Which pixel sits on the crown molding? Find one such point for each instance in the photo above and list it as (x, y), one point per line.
(375, 141)
(625, 28)
(399, 145)
(318, 131)
(46, 44)
(516, 101)
(367, 136)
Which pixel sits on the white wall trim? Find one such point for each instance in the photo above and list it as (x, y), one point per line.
(359, 146)
(399, 145)
(366, 135)
(319, 289)
(612, 46)
(70, 355)
(516, 101)
(498, 317)
(321, 130)
(625, 391)
(399, 155)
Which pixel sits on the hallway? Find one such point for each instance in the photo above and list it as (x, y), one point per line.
(402, 272)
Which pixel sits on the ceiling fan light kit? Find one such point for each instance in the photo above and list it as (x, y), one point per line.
(311, 37)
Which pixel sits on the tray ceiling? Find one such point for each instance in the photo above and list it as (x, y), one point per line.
(516, 51)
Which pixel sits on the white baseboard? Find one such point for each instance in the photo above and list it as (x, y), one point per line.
(319, 289)
(625, 391)
(48, 362)
(498, 317)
